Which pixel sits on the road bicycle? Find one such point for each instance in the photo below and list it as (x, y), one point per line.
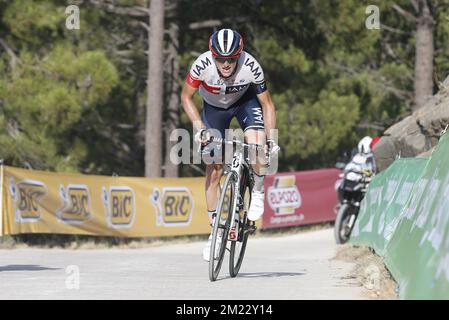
(231, 223)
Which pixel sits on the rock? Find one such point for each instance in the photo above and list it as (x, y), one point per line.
(385, 152)
(426, 154)
(417, 134)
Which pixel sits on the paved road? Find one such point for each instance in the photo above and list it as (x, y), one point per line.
(296, 266)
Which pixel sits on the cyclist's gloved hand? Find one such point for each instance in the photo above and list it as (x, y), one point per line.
(202, 136)
(272, 146)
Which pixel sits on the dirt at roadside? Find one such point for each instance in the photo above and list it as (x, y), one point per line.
(370, 272)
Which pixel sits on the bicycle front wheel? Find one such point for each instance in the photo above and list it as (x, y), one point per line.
(222, 223)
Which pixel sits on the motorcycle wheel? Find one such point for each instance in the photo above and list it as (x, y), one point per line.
(342, 231)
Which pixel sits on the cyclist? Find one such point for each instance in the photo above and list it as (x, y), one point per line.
(231, 83)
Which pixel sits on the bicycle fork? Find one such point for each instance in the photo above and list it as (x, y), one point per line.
(235, 209)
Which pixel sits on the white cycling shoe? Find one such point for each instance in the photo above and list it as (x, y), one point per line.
(206, 250)
(256, 207)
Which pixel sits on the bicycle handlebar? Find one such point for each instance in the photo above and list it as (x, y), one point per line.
(235, 142)
(246, 146)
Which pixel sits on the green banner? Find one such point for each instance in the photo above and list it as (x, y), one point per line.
(388, 193)
(405, 218)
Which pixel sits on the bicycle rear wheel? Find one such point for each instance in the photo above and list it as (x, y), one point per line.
(221, 226)
(238, 247)
(238, 250)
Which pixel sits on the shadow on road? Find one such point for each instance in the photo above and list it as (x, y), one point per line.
(25, 267)
(270, 274)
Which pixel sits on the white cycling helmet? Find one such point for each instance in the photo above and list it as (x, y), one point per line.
(364, 145)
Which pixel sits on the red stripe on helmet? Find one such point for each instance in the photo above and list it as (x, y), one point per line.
(215, 54)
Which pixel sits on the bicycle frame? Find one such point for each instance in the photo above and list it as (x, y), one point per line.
(236, 167)
(237, 172)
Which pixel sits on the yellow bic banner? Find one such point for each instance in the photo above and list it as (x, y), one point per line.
(44, 202)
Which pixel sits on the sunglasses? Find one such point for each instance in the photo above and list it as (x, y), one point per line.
(229, 60)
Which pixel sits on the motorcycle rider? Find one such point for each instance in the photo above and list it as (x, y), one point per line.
(352, 188)
(364, 158)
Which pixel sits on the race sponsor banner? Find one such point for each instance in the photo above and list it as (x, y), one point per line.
(1, 197)
(406, 220)
(387, 194)
(44, 202)
(61, 203)
(300, 198)
(418, 252)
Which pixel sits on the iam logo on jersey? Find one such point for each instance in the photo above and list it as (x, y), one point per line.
(174, 206)
(76, 204)
(120, 206)
(284, 196)
(27, 197)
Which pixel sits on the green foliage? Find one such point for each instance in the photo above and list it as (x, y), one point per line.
(73, 100)
(44, 95)
(442, 43)
(31, 21)
(311, 128)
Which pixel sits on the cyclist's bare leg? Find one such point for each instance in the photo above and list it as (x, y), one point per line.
(256, 137)
(213, 175)
(256, 208)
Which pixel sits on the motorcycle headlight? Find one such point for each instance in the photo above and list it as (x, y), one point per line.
(352, 176)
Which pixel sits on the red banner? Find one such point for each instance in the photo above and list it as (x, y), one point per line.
(300, 198)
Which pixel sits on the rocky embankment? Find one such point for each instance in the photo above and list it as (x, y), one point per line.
(417, 134)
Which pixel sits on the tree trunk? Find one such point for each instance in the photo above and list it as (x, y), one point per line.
(140, 135)
(423, 82)
(172, 122)
(153, 140)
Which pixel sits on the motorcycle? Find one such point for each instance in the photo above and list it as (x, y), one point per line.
(351, 190)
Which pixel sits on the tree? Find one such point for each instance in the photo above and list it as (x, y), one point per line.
(424, 48)
(104, 99)
(47, 85)
(153, 142)
(424, 53)
(172, 91)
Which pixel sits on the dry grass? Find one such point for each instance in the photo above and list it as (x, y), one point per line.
(286, 231)
(49, 241)
(370, 272)
(71, 242)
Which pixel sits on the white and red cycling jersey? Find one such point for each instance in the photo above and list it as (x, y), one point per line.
(222, 93)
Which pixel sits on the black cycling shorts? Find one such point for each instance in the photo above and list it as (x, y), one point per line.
(247, 110)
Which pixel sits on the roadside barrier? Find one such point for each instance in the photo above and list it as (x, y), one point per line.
(45, 202)
(300, 198)
(59, 203)
(404, 218)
